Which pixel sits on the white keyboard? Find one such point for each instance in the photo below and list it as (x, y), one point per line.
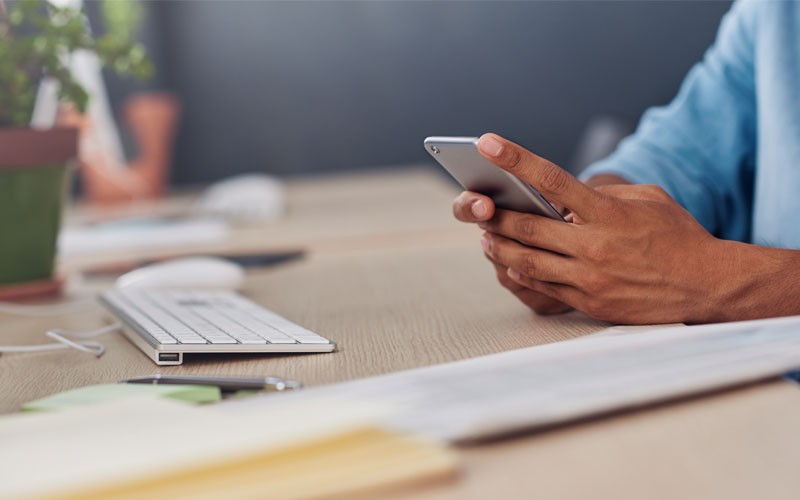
(165, 324)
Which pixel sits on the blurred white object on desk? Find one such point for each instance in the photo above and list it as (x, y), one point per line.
(189, 272)
(140, 233)
(256, 197)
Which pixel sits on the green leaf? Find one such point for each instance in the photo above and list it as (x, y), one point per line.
(38, 37)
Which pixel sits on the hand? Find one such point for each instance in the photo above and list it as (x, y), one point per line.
(633, 255)
(152, 118)
(473, 207)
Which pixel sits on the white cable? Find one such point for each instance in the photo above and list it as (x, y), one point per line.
(41, 311)
(68, 340)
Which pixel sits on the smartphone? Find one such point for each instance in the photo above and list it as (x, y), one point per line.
(460, 157)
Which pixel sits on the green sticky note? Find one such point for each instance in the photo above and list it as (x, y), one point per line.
(94, 394)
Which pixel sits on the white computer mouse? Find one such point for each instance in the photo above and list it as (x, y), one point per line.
(257, 197)
(201, 273)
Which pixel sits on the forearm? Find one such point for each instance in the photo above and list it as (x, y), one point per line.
(754, 282)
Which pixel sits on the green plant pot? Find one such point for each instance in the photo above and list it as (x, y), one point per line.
(33, 189)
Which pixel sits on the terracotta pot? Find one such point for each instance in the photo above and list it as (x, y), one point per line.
(33, 188)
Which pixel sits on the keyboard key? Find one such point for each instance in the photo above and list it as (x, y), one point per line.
(224, 339)
(191, 339)
(251, 340)
(309, 340)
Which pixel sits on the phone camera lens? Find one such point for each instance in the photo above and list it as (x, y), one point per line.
(435, 149)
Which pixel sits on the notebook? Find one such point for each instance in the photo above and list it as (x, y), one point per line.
(157, 448)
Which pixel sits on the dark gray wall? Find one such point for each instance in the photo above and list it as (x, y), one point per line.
(289, 87)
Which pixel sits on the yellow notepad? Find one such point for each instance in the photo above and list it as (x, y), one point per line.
(152, 448)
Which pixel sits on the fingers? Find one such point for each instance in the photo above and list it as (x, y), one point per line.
(532, 262)
(502, 276)
(540, 303)
(565, 294)
(535, 231)
(473, 207)
(553, 182)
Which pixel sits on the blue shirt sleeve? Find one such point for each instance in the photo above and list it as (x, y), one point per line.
(701, 147)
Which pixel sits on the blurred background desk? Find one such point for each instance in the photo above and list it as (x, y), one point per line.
(398, 284)
(385, 208)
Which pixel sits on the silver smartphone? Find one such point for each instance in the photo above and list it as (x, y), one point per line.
(460, 157)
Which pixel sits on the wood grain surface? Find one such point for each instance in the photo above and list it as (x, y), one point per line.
(387, 310)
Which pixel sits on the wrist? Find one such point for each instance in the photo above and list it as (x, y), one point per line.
(751, 282)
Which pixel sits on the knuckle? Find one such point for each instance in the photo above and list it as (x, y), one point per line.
(554, 179)
(530, 265)
(594, 283)
(513, 159)
(523, 225)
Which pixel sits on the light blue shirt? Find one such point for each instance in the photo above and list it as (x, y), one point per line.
(728, 146)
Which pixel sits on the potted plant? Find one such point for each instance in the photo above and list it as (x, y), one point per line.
(38, 39)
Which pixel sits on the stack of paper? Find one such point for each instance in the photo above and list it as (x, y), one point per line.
(153, 448)
(513, 391)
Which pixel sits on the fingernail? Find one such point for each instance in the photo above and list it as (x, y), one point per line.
(486, 243)
(490, 146)
(514, 274)
(483, 225)
(479, 208)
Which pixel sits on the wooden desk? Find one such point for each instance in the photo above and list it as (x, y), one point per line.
(421, 293)
(387, 310)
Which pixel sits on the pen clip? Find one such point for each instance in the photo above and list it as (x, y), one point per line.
(277, 384)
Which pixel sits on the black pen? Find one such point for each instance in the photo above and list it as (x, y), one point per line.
(225, 384)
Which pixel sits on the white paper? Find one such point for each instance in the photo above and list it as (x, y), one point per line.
(507, 392)
(140, 234)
